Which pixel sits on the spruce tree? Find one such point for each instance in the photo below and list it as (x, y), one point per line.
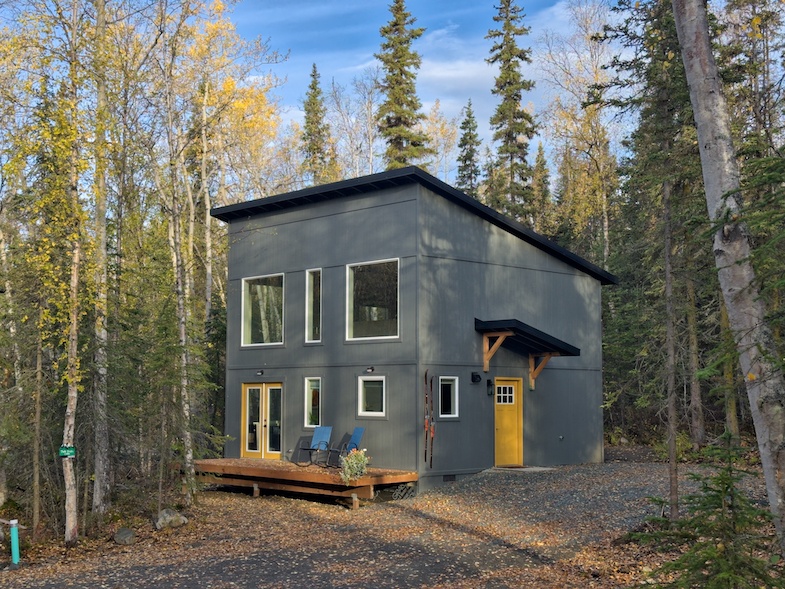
(542, 204)
(513, 126)
(399, 114)
(725, 540)
(469, 145)
(319, 165)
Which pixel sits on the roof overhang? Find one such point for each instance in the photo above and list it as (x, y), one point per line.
(523, 339)
(402, 177)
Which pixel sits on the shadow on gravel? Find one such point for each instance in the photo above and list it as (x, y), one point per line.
(487, 543)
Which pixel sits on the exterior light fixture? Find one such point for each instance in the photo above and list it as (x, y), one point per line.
(489, 384)
(259, 372)
(369, 370)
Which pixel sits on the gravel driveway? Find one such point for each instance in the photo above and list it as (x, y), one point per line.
(500, 528)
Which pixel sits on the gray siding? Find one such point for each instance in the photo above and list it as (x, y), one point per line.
(454, 266)
(469, 268)
(329, 236)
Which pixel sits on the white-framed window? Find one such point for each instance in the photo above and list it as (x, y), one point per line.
(505, 395)
(372, 300)
(448, 396)
(313, 306)
(262, 310)
(313, 401)
(371, 396)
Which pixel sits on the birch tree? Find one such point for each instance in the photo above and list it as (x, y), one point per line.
(762, 372)
(101, 497)
(574, 64)
(443, 136)
(352, 112)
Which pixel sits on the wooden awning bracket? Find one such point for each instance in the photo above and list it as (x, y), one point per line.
(537, 362)
(489, 350)
(535, 366)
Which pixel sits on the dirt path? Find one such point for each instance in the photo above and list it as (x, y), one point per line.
(500, 528)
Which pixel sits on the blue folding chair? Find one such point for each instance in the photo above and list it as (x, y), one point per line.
(344, 449)
(320, 443)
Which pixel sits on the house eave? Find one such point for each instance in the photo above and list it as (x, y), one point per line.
(401, 177)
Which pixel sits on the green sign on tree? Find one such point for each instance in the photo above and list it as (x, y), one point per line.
(67, 452)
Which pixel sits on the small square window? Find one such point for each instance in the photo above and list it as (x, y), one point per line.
(371, 396)
(313, 402)
(505, 395)
(448, 396)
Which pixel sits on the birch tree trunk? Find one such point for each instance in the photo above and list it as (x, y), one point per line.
(72, 378)
(175, 241)
(39, 391)
(101, 431)
(12, 331)
(746, 311)
(72, 355)
(208, 235)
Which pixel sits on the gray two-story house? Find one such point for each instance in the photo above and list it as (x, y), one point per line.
(354, 303)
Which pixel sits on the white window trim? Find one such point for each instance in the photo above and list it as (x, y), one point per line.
(242, 311)
(397, 302)
(360, 389)
(456, 396)
(307, 392)
(308, 318)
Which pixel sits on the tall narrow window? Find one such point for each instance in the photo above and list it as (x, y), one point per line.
(372, 305)
(253, 414)
(371, 396)
(313, 402)
(448, 396)
(313, 306)
(263, 310)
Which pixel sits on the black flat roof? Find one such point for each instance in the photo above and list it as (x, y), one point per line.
(526, 340)
(402, 177)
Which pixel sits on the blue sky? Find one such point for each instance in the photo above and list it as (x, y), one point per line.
(342, 36)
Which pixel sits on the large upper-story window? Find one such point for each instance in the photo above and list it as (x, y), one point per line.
(263, 310)
(372, 300)
(313, 305)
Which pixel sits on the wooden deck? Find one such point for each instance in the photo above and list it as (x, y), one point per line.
(280, 475)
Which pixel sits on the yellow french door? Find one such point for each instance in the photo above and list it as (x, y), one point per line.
(508, 417)
(260, 434)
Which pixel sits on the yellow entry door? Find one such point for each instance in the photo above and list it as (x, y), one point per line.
(508, 417)
(260, 434)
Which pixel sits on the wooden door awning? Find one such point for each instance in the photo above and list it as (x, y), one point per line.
(523, 339)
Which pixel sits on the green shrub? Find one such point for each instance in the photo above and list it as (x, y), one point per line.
(353, 466)
(684, 450)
